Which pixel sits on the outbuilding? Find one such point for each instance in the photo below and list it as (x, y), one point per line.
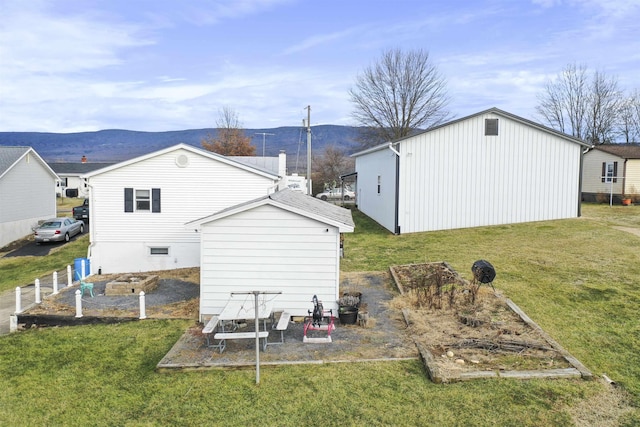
(27, 192)
(285, 242)
(488, 168)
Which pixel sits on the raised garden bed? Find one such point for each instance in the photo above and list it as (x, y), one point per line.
(131, 284)
(465, 331)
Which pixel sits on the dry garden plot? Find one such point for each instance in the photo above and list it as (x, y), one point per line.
(465, 330)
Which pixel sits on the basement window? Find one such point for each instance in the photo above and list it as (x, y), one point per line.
(159, 251)
(490, 127)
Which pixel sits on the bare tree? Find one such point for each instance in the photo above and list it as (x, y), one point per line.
(230, 139)
(605, 102)
(583, 106)
(563, 105)
(400, 93)
(328, 167)
(629, 118)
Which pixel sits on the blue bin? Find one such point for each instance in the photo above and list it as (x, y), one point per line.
(77, 268)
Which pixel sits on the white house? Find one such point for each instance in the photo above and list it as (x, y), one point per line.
(611, 169)
(27, 192)
(139, 206)
(489, 168)
(72, 183)
(285, 242)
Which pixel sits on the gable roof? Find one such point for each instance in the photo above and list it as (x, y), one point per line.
(77, 168)
(493, 110)
(626, 151)
(187, 147)
(292, 201)
(9, 156)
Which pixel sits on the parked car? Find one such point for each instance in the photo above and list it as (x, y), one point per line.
(82, 212)
(57, 230)
(336, 194)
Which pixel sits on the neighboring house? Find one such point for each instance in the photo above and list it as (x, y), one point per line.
(611, 169)
(285, 242)
(27, 192)
(488, 168)
(71, 183)
(139, 206)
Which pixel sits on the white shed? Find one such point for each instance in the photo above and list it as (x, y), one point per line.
(489, 168)
(27, 192)
(285, 242)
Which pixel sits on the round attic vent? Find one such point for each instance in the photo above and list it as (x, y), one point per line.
(182, 161)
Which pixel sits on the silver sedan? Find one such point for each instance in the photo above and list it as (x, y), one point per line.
(58, 229)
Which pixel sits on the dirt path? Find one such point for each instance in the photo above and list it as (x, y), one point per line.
(631, 230)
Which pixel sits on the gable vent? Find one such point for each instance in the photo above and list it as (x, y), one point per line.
(182, 161)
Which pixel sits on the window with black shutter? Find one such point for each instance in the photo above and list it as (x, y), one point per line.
(128, 199)
(155, 200)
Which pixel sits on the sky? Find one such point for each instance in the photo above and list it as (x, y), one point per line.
(161, 65)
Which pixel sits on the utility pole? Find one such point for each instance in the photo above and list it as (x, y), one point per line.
(309, 150)
(264, 135)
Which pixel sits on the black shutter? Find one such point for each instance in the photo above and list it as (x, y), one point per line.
(615, 171)
(128, 199)
(155, 200)
(604, 171)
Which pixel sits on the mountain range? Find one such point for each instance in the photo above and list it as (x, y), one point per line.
(117, 145)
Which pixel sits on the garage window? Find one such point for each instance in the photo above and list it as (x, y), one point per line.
(490, 127)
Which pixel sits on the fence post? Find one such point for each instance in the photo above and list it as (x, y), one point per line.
(18, 305)
(78, 304)
(38, 299)
(143, 311)
(55, 282)
(82, 266)
(69, 276)
(13, 323)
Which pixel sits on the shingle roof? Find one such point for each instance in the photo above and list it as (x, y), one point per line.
(77, 168)
(10, 155)
(626, 151)
(297, 201)
(310, 204)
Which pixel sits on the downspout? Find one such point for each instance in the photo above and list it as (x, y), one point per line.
(582, 153)
(396, 227)
(91, 223)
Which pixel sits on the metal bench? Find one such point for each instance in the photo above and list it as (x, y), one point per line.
(211, 326)
(282, 325)
(223, 336)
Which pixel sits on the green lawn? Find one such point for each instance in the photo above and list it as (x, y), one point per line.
(578, 278)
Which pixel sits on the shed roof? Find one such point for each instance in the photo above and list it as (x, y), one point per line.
(626, 151)
(9, 156)
(490, 110)
(292, 201)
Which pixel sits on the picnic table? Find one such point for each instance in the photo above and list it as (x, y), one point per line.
(243, 307)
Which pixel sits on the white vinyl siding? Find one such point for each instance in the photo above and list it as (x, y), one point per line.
(269, 249)
(121, 240)
(632, 178)
(27, 195)
(592, 173)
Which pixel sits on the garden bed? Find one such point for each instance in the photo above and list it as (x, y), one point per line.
(466, 331)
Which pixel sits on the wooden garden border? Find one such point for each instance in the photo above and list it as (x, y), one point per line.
(438, 376)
